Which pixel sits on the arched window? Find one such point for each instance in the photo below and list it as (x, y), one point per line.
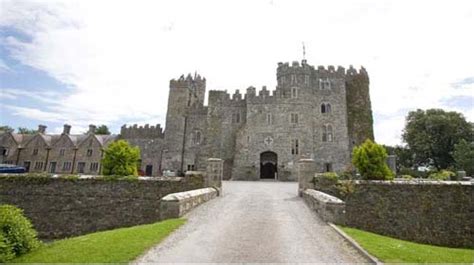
(328, 108)
(196, 137)
(325, 134)
(330, 134)
(325, 108)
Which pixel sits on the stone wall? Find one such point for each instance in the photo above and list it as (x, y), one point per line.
(329, 208)
(438, 213)
(178, 204)
(61, 208)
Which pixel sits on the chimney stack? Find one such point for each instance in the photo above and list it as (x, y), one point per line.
(92, 128)
(67, 129)
(42, 129)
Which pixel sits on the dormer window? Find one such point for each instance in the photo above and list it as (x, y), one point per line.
(89, 152)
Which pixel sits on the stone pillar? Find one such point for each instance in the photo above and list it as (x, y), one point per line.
(392, 163)
(306, 171)
(460, 175)
(215, 170)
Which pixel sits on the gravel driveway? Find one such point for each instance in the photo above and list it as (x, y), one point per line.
(254, 222)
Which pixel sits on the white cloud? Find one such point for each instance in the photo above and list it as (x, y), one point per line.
(117, 56)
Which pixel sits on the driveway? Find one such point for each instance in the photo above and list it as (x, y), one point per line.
(254, 222)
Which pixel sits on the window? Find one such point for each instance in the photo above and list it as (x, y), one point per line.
(306, 79)
(236, 117)
(81, 166)
(294, 118)
(189, 99)
(324, 84)
(94, 167)
(35, 151)
(293, 79)
(269, 119)
(327, 133)
(5, 152)
(190, 167)
(61, 152)
(294, 92)
(196, 138)
(67, 166)
(328, 167)
(282, 79)
(89, 152)
(38, 165)
(325, 108)
(294, 146)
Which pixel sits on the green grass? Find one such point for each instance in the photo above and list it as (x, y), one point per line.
(118, 246)
(388, 249)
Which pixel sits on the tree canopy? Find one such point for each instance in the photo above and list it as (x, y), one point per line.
(464, 156)
(121, 159)
(24, 130)
(102, 129)
(432, 134)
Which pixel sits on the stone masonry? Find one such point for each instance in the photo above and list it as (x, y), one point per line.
(315, 113)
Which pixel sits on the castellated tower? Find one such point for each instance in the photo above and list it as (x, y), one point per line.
(185, 95)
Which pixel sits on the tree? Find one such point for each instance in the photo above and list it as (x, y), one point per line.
(370, 160)
(404, 156)
(121, 159)
(24, 130)
(432, 134)
(102, 129)
(6, 128)
(464, 156)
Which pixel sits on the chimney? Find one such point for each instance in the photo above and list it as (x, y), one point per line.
(67, 129)
(92, 128)
(42, 129)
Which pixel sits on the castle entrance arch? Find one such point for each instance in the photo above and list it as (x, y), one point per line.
(268, 165)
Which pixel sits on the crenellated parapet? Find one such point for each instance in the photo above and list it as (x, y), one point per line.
(141, 132)
(222, 97)
(187, 81)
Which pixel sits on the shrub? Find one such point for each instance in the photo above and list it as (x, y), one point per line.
(331, 176)
(407, 177)
(442, 175)
(370, 159)
(17, 235)
(121, 159)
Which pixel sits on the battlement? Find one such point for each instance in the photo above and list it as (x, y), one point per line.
(188, 80)
(223, 97)
(305, 68)
(142, 132)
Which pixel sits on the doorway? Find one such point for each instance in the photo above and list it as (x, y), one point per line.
(148, 170)
(268, 165)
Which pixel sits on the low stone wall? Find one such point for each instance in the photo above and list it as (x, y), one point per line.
(329, 208)
(61, 208)
(438, 213)
(176, 205)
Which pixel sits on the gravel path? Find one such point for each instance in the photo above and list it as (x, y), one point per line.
(253, 222)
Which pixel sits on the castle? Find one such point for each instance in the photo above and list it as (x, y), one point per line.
(318, 113)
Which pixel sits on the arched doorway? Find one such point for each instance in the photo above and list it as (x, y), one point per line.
(268, 165)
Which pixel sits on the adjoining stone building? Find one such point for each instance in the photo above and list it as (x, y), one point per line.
(318, 113)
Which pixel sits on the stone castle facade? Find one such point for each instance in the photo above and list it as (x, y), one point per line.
(318, 113)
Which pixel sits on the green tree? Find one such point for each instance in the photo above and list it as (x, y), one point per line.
(370, 160)
(102, 129)
(404, 156)
(6, 128)
(464, 156)
(24, 130)
(120, 159)
(432, 134)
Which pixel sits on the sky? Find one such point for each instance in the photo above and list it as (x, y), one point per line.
(110, 62)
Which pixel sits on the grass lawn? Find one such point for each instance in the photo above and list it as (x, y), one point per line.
(388, 249)
(119, 245)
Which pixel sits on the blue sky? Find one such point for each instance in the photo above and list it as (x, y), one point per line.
(110, 62)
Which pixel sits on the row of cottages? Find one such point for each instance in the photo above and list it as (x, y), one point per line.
(64, 153)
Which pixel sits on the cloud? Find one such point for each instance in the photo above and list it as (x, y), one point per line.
(116, 63)
(3, 66)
